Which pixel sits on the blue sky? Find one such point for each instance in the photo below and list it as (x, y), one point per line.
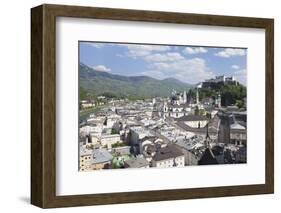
(189, 64)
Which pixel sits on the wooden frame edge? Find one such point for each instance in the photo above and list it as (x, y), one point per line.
(36, 106)
(269, 105)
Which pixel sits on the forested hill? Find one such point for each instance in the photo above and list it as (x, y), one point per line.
(94, 83)
(231, 93)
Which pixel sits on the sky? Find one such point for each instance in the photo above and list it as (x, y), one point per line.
(190, 64)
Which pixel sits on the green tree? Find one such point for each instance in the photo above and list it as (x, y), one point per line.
(231, 94)
(83, 93)
(114, 131)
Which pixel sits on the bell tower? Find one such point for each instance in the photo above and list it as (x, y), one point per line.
(207, 139)
(219, 100)
(197, 96)
(184, 97)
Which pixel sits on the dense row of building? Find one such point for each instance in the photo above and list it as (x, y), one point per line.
(163, 132)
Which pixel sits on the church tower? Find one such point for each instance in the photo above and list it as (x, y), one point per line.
(165, 107)
(219, 100)
(184, 97)
(207, 139)
(208, 157)
(197, 96)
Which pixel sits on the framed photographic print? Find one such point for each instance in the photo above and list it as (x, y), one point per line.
(136, 106)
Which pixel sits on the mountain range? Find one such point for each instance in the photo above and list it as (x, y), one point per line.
(98, 83)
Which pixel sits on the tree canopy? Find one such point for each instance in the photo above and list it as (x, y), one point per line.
(230, 94)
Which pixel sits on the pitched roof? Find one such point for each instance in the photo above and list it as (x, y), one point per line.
(101, 155)
(213, 126)
(237, 126)
(85, 151)
(192, 118)
(208, 158)
(168, 152)
(136, 163)
(151, 138)
(178, 105)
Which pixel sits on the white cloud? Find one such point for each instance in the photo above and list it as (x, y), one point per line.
(194, 50)
(170, 56)
(236, 67)
(229, 52)
(149, 48)
(101, 68)
(96, 45)
(136, 50)
(241, 76)
(120, 55)
(187, 70)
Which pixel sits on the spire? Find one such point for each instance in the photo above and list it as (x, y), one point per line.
(207, 132)
(219, 100)
(184, 97)
(207, 139)
(208, 157)
(197, 96)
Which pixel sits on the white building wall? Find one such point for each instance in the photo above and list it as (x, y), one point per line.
(195, 124)
(164, 163)
(108, 140)
(180, 161)
(168, 163)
